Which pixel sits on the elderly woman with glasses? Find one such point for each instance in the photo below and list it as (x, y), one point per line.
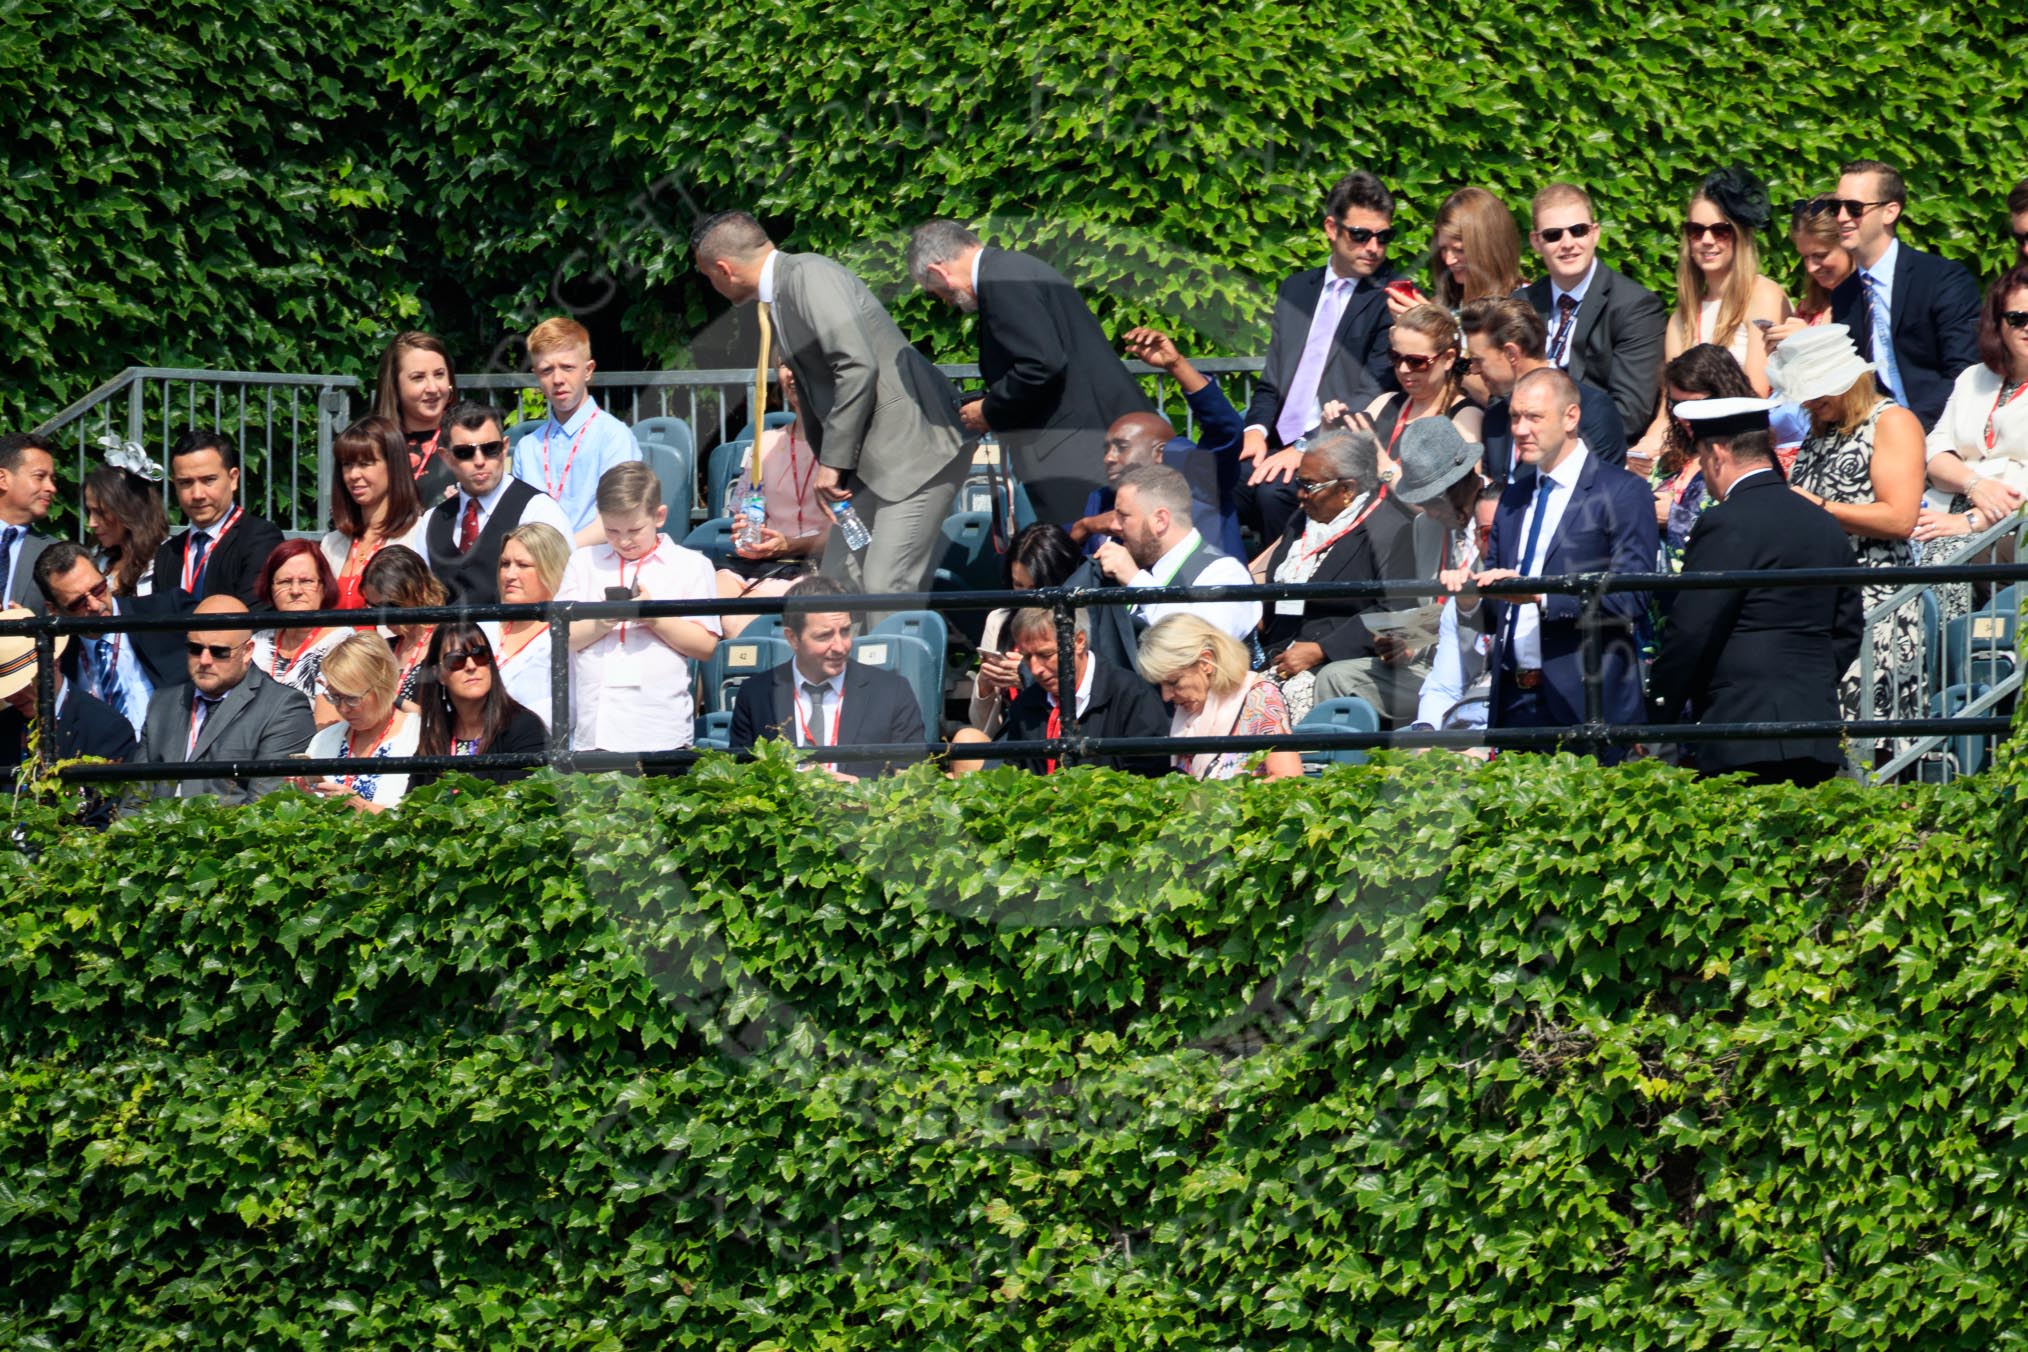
(466, 710)
(1202, 674)
(297, 577)
(361, 680)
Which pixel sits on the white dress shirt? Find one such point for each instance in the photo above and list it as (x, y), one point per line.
(833, 712)
(538, 510)
(1563, 480)
(1237, 618)
(526, 673)
(136, 689)
(1083, 687)
(632, 690)
(764, 292)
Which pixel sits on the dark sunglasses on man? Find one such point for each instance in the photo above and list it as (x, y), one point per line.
(1359, 234)
(84, 603)
(220, 652)
(492, 450)
(1557, 232)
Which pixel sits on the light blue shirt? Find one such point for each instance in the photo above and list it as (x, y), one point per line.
(136, 688)
(1884, 362)
(602, 441)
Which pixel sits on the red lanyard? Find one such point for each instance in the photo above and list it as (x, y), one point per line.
(2005, 397)
(1052, 730)
(802, 485)
(1357, 522)
(275, 667)
(556, 487)
(417, 463)
(352, 781)
(803, 724)
(190, 577)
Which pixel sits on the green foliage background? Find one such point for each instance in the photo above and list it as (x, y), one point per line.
(279, 185)
(1418, 1055)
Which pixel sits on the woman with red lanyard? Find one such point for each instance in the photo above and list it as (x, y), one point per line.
(1423, 345)
(359, 680)
(295, 577)
(1978, 450)
(416, 385)
(797, 522)
(398, 579)
(373, 502)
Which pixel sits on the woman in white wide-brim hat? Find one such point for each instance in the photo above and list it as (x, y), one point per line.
(1863, 463)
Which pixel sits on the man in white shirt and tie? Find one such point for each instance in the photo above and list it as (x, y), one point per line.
(463, 534)
(27, 488)
(123, 670)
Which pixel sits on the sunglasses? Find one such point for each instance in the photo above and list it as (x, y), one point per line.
(491, 450)
(1557, 232)
(84, 602)
(457, 659)
(1412, 361)
(2015, 319)
(1694, 231)
(1846, 206)
(220, 652)
(1305, 487)
(1359, 234)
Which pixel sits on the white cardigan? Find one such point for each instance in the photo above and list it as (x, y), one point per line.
(1962, 428)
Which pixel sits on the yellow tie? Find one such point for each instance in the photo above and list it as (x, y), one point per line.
(760, 395)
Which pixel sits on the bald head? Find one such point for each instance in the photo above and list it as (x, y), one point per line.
(209, 672)
(1135, 440)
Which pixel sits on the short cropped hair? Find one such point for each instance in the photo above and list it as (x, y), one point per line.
(1358, 189)
(1159, 486)
(364, 664)
(15, 443)
(1032, 620)
(1892, 189)
(728, 234)
(936, 241)
(1561, 195)
(1173, 643)
(558, 334)
(195, 439)
(1350, 453)
(629, 486)
(58, 558)
(1505, 321)
(1562, 388)
(811, 594)
(471, 415)
(1748, 446)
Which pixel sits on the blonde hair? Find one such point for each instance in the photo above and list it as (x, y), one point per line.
(553, 335)
(629, 486)
(1732, 302)
(1492, 245)
(1170, 645)
(545, 544)
(1852, 407)
(1561, 195)
(364, 665)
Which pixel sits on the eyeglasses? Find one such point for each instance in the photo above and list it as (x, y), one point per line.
(457, 659)
(491, 450)
(1305, 487)
(1557, 232)
(84, 602)
(220, 652)
(1847, 206)
(339, 701)
(2015, 319)
(1695, 230)
(1359, 234)
(1412, 361)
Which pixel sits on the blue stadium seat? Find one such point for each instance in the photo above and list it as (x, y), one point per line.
(1932, 641)
(714, 730)
(909, 657)
(712, 538)
(926, 625)
(1351, 714)
(764, 626)
(520, 430)
(970, 562)
(678, 473)
(1979, 648)
(1969, 753)
(735, 660)
(779, 418)
(671, 432)
(726, 462)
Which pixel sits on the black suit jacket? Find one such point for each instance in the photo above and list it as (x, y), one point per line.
(1769, 653)
(1382, 548)
(85, 726)
(1053, 382)
(233, 568)
(161, 653)
(879, 707)
(1617, 342)
(524, 731)
(1598, 422)
(1122, 705)
(1936, 326)
(1357, 369)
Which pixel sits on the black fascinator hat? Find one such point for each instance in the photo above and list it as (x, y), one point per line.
(1742, 197)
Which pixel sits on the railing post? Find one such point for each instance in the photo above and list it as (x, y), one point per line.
(137, 409)
(1066, 676)
(1594, 663)
(559, 682)
(333, 405)
(45, 697)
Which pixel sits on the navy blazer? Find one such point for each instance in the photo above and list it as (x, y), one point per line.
(1357, 370)
(85, 726)
(1608, 526)
(1935, 308)
(879, 706)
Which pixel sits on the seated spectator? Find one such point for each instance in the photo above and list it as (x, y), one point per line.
(797, 519)
(1504, 340)
(222, 552)
(1155, 545)
(1604, 330)
(225, 712)
(820, 697)
(1202, 674)
(1827, 265)
(398, 579)
(631, 678)
(1475, 253)
(124, 670)
(569, 455)
(123, 511)
(1424, 347)
(1706, 371)
(414, 387)
(84, 726)
(297, 577)
(461, 536)
(1459, 687)
(27, 488)
(1110, 702)
(1040, 555)
(373, 503)
(532, 560)
(1978, 450)
(466, 709)
(1352, 528)
(361, 681)
(1144, 437)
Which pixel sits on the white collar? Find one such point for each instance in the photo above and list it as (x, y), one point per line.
(835, 683)
(977, 254)
(1173, 559)
(1083, 686)
(492, 499)
(1568, 469)
(1578, 292)
(1764, 469)
(764, 292)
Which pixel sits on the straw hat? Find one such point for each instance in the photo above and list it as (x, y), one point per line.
(1815, 363)
(17, 654)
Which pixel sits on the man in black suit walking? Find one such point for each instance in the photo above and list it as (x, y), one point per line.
(1053, 382)
(1915, 316)
(1764, 654)
(820, 696)
(1327, 340)
(222, 552)
(1601, 328)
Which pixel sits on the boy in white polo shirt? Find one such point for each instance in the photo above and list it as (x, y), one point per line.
(631, 678)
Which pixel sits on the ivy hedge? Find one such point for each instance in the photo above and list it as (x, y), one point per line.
(281, 185)
(1417, 1055)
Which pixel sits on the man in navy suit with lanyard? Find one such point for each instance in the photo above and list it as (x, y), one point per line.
(1566, 511)
(223, 551)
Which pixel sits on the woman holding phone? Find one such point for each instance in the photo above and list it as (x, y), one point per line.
(360, 680)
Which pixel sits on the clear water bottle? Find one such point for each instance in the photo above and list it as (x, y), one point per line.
(857, 537)
(747, 526)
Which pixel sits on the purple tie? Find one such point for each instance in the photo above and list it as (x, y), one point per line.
(1300, 410)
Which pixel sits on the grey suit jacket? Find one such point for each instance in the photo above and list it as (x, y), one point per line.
(260, 718)
(879, 410)
(24, 591)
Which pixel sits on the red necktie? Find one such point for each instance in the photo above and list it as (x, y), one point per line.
(1055, 729)
(468, 526)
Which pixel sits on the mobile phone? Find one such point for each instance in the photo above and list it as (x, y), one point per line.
(620, 593)
(1763, 323)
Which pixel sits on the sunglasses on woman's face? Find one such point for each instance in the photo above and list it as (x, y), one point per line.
(1696, 230)
(1305, 487)
(1412, 361)
(457, 659)
(492, 450)
(1557, 232)
(2015, 319)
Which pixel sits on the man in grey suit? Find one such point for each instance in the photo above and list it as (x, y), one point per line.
(1604, 330)
(884, 421)
(226, 712)
(27, 488)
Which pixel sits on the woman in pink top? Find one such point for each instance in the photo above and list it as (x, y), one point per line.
(797, 519)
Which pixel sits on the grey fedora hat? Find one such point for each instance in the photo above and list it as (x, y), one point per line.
(1433, 455)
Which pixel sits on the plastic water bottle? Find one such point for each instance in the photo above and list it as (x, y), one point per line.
(857, 537)
(747, 526)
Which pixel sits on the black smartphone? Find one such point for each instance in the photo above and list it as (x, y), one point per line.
(619, 593)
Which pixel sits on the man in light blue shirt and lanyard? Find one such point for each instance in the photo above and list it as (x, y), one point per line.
(123, 670)
(579, 441)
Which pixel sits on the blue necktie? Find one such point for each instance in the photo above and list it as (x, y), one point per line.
(106, 672)
(7, 538)
(1526, 563)
(199, 549)
(1883, 338)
